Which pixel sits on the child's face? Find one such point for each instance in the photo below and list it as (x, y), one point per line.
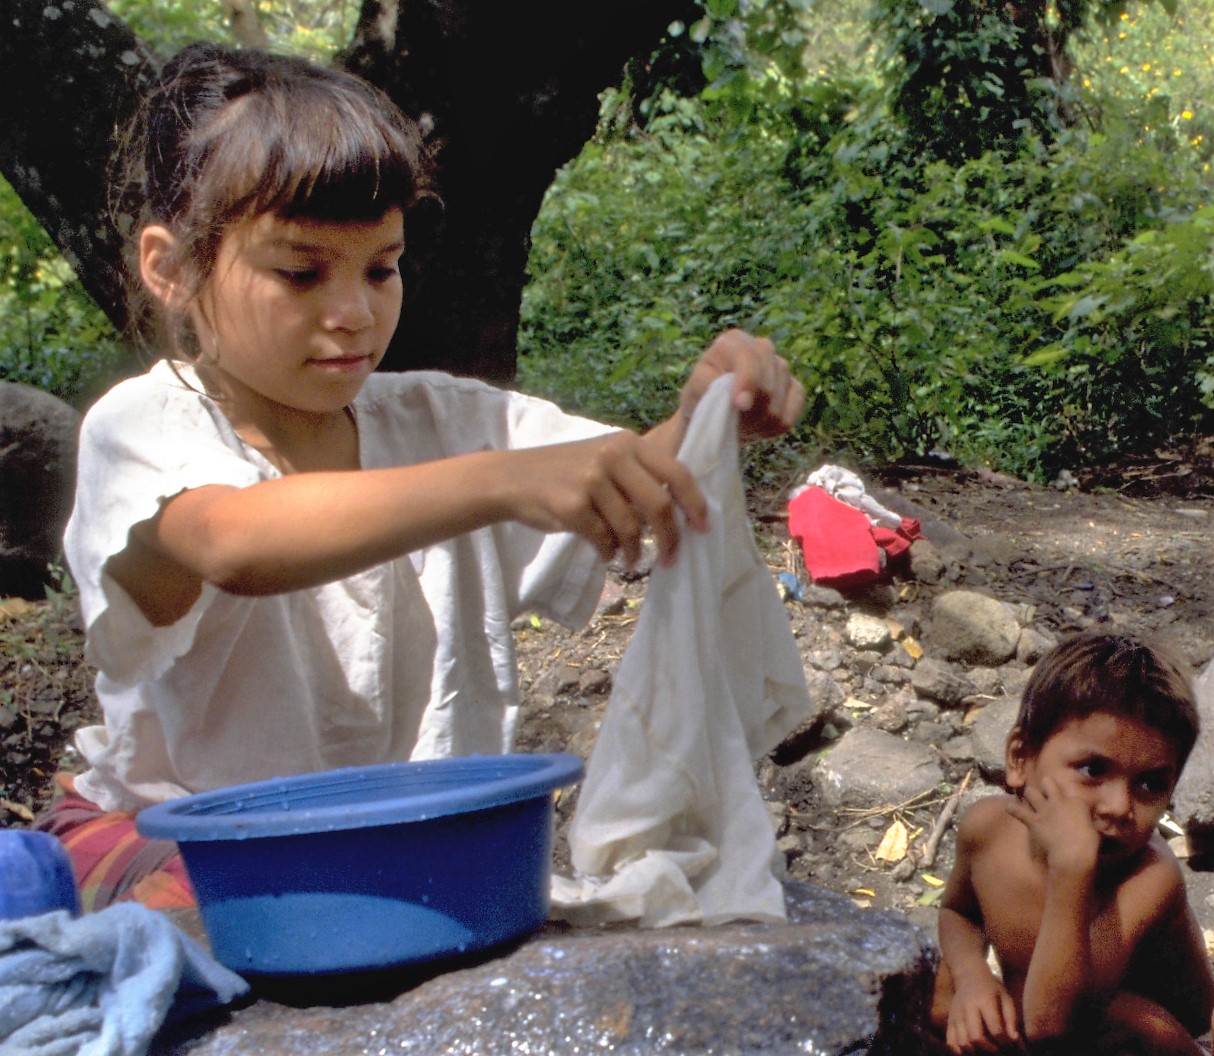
(300, 312)
(1124, 770)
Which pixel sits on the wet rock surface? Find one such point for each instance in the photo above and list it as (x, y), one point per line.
(834, 980)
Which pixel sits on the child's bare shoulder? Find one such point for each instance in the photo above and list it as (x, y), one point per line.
(985, 821)
(1157, 882)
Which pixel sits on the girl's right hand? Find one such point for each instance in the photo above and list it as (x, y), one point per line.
(1060, 824)
(608, 490)
(982, 1017)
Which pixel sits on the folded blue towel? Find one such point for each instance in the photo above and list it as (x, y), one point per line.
(101, 984)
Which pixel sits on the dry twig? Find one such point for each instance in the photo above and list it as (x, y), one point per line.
(927, 856)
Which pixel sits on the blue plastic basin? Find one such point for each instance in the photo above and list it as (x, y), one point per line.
(370, 867)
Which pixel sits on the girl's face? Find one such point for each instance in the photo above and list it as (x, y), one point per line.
(1123, 769)
(299, 312)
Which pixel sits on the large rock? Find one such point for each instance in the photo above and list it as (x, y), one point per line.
(871, 768)
(37, 479)
(1193, 801)
(835, 980)
(973, 628)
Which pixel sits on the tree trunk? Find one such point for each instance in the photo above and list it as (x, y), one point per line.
(507, 92)
(70, 74)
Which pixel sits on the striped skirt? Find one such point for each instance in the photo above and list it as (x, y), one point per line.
(112, 862)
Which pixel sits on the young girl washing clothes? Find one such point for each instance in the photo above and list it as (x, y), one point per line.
(288, 562)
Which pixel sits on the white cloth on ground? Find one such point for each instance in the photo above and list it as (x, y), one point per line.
(846, 486)
(412, 658)
(670, 826)
(101, 984)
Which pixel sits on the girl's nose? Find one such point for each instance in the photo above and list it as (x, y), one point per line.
(1115, 801)
(348, 308)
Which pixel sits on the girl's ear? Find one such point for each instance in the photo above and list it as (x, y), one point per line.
(1015, 758)
(156, 245)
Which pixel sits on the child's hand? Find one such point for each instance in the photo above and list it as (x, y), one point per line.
(1060, 825)
(607, 490)
(982, 1017)
(768, 398)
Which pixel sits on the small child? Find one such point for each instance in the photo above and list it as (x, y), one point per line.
(288, 561)
(1067, 879)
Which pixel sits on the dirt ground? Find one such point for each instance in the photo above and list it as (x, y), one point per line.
(1130, 545)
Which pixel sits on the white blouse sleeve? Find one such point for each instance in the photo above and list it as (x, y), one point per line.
(146, 440)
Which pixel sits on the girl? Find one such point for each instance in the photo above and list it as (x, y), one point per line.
(286, 561)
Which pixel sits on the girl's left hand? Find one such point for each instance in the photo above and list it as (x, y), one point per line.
(768, 398)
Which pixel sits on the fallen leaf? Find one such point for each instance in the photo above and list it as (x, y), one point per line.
(935, 881)
(20, 809)
(894, 843)
(15, 609)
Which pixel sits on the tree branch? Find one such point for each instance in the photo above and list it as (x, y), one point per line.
(246, 26)
(70, 76)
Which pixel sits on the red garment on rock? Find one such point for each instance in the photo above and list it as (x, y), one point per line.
(842, 549)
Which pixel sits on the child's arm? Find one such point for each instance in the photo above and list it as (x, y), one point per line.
(981, 1016)
(1171, 966)
(768, 398)
(305, 529)
(1060, 977)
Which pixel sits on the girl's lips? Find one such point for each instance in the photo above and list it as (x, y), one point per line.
(341, 364)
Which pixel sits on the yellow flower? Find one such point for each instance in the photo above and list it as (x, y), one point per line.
(1146, 67)
(1187, 115)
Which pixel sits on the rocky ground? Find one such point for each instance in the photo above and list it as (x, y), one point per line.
(1126, 548)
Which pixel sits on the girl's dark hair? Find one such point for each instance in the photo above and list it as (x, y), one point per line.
(1121, 674)
(227, 135)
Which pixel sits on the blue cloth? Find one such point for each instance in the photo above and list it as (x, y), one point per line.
(101, 984)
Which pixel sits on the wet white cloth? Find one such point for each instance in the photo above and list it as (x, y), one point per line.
(670, 827)
(412, 658)
(846, 486)
(101, 984)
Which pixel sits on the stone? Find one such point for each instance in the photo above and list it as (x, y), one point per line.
(870, 768)
(927, 564)
(988, 735)
(942, 682)
(866, 632)
(835, 979)
(1193, 800)
(973, 628)
(38, 437)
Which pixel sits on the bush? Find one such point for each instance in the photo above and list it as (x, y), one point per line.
(1028, 309)
(52, 335)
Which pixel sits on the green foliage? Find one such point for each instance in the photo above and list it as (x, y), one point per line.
(313, 28)
(52, 335)
(1032, 303)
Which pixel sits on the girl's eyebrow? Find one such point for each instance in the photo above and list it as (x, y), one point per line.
(298, 245)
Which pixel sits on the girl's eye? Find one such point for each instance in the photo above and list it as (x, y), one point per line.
(299, 276)
(1092, 769)
(383, 273)
(1155, 784)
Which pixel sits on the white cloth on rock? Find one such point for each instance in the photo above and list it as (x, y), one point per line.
(846, 486)
(670, 827)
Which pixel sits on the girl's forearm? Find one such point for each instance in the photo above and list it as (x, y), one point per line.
(963, 944)
(303, 530)
(1059, 982)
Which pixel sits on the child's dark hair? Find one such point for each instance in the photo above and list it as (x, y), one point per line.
(1121, 674)
(227, 135)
